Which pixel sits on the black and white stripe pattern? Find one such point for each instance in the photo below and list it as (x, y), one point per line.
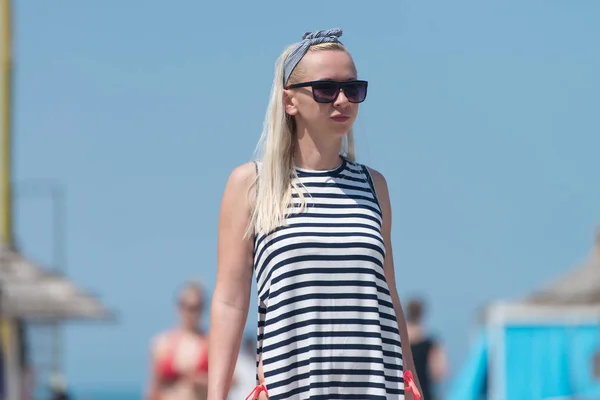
(327, 328)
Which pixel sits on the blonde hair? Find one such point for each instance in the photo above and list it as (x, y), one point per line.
(275, 152)
(193, 285)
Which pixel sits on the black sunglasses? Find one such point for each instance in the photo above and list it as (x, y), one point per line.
(328, 91)
(189, 306)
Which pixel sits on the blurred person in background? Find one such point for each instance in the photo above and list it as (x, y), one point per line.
(27, 370)
(179, 357)
(428, 354)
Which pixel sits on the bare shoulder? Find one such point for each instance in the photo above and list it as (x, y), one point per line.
(242, 176)
(159, 342)
(240, 181)
(380, 183)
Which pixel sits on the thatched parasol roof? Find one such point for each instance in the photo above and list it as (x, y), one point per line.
(31, 292)
(580, 286)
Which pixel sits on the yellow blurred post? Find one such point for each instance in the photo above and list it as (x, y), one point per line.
(7, 217)
(9, 342)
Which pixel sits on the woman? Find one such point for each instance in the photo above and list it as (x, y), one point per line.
(314, 226)
(429, 354)
(179, 356)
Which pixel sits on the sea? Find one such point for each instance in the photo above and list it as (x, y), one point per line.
(108, 394)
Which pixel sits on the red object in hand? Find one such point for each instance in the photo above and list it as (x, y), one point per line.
(257, 391)
(409, 384)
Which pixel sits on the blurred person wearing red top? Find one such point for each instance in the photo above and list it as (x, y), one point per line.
(179, 369)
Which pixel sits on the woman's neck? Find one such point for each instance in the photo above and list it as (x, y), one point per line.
(190, 329)
(415, 332)
(317, 154)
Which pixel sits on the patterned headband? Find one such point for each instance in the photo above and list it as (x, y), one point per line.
(308, 39)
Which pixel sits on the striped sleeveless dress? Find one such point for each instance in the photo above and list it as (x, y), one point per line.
(326, 323)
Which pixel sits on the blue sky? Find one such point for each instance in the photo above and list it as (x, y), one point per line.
(482, 116)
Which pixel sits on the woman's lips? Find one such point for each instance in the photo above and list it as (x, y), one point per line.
(340, 118)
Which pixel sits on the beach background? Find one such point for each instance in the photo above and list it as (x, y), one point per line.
(482, 116)
(108, 394)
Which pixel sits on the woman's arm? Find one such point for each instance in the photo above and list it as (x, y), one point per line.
(386, 209)
(153, 390)
(438, 363)
(231, 297)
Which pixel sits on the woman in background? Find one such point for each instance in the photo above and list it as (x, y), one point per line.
(179, 369)
(428, 353)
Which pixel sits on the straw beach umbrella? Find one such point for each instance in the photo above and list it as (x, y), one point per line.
(580, 286)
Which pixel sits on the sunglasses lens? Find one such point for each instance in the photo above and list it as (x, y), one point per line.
(325, 92)
(356, 92)
(191, 307)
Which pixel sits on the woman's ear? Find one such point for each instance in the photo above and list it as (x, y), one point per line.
(288, 102)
